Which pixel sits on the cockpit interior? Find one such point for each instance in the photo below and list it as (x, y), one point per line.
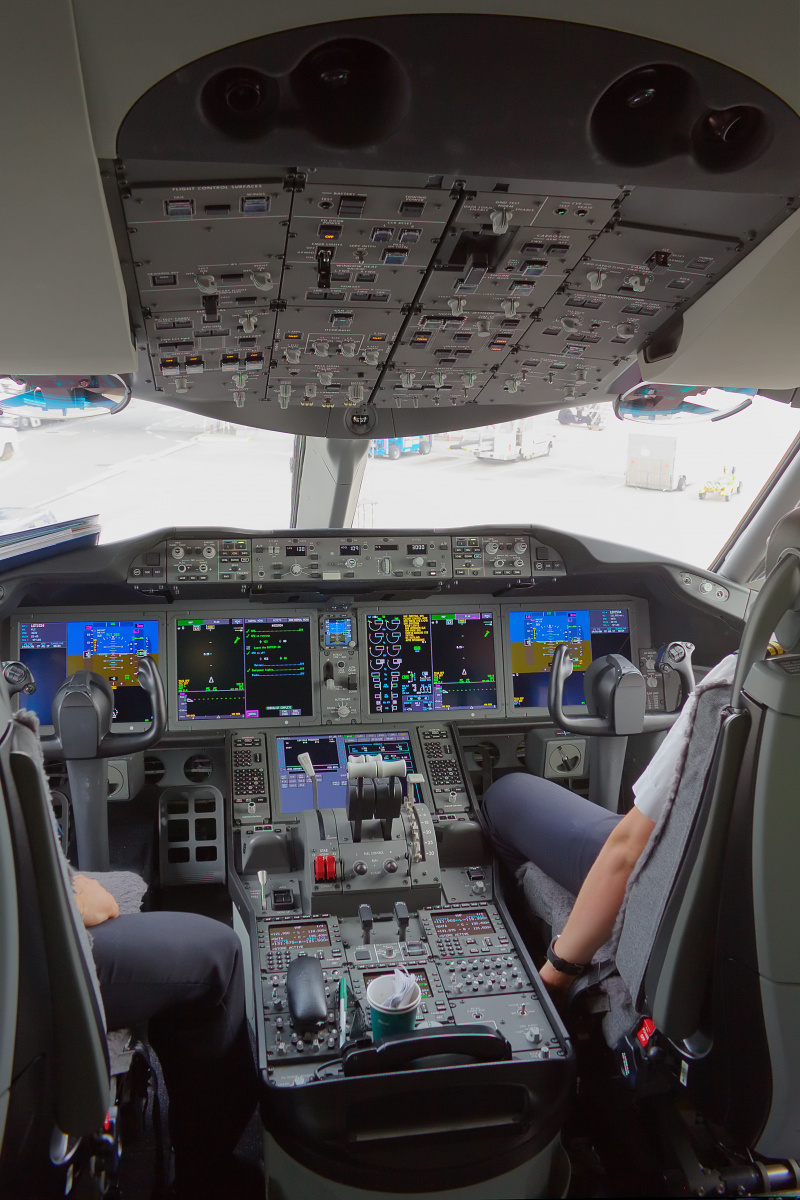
(354, 228)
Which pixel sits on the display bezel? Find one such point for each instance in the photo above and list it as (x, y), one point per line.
(227, 612)
(457, 604)
(102, 613)
(639, 634)
(278, 814)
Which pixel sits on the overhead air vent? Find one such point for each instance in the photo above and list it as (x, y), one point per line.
(240, 102)
(352, 92)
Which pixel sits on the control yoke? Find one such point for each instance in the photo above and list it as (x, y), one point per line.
(82, 710)
(615, 695)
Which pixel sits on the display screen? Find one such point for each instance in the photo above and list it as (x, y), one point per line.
(462, 924)
(338, 631)
(53, 650)
(244, 668)
(418, 974)
(420, 662)
(290, 937)
(295, 551)
(350, 548)
(329, 755)
(534, 635)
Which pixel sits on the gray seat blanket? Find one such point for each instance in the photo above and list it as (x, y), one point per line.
(620, 996)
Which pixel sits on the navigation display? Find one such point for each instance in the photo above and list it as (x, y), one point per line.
(420, 662)
(244, 668)
(53, 650)
(329, 755)
(534, 635)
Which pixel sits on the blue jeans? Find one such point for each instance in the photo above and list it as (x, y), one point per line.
(534, 820)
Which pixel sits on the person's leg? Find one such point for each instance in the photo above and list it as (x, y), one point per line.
(535, 820)
(183, 974)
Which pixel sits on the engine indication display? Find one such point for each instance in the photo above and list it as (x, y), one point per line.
(244, 668)
(420, 662)
(52, 650)
(534, 636)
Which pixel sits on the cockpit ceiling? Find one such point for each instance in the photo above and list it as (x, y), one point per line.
(392, 225)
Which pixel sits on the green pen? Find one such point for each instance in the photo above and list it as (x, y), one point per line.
(342, 1011)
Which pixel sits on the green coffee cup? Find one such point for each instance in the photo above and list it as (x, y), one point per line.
(386, 1020)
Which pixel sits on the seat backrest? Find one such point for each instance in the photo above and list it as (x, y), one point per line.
(666, 941)
(60, 1021)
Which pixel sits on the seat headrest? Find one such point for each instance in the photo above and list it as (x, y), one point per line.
(785, 536)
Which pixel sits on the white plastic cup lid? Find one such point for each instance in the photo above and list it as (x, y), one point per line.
(380, 990)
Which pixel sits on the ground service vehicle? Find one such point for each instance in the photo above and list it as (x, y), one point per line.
(394, 447)
(345, 224)
(728, 484)
(513, 441)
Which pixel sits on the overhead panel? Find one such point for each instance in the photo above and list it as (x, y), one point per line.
(325, 219)
(208, 259)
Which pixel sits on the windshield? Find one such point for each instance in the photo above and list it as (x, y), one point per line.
(678, 491)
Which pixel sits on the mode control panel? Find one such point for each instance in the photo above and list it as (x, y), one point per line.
(261, 561)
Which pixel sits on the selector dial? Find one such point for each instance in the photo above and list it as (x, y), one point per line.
(417, 562)
(209, 552)
(177, 551)
(296, 568)
(492, 547)
(520, 548)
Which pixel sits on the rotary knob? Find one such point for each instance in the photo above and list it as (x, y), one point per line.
(350, 563)
(343, 711)
(418, 561)
(209, 552)
(492, 547)
(296, 568)
(499, 562)
(520, 547)
(177, 551)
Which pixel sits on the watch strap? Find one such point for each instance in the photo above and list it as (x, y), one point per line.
(561, 964)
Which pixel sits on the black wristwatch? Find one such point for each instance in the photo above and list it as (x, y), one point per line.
(560, 964)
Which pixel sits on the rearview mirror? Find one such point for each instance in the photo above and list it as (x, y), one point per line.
(64, 396)
(662, 403)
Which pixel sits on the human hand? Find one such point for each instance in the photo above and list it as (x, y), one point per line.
(556, 982)
(94, 903)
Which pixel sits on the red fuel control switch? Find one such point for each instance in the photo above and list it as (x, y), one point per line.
(330, 866)
(319, 867)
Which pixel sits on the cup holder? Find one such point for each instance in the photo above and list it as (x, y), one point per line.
(241, 102)
(645, 116)
(351, 92)
(725, 139)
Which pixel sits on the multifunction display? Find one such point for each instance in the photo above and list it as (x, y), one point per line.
(420, 662)
(534, 635)
(304, 933)
(53, 650)
(244, 667)
(462, 924)
(329, 755)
